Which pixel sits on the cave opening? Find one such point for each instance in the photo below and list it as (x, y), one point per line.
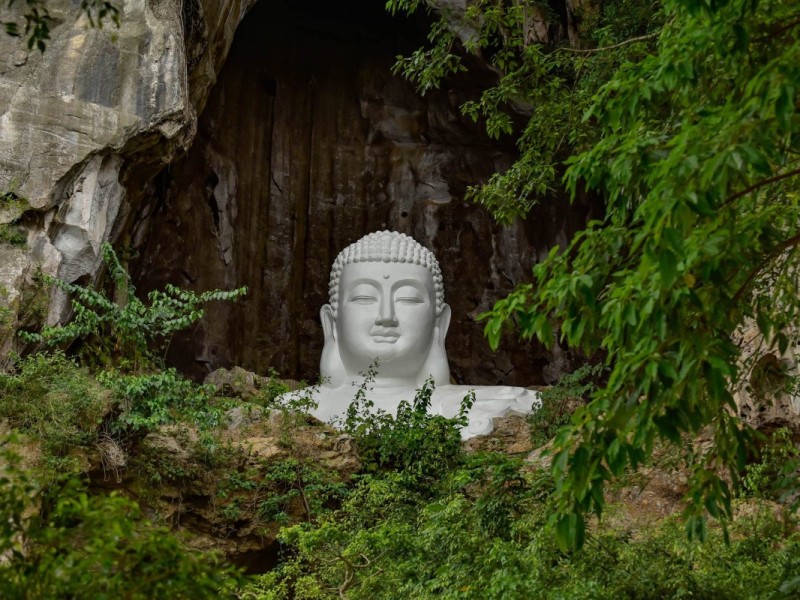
(306, 143)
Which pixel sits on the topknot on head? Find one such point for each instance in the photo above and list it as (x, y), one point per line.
(386, 246)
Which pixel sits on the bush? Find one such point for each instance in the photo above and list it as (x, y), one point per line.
(775, 474)
(154, 399)
(388, 543)
(415, 442)
(558, 402)
(428, 521)
(126, 331)
(418, 491)
(56, 401)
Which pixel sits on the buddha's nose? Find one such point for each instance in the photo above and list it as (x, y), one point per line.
(386, 315)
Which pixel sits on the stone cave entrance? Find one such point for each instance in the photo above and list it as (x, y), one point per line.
(308, 142)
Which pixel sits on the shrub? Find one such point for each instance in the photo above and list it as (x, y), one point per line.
(387, 543)
(774, 474)
(559, 401)
(12, 235)
(56, 401)
(428, 521)
(126, 331)
(150, 400)
(415, 442)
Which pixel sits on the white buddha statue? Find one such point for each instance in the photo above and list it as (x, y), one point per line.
(387, 310)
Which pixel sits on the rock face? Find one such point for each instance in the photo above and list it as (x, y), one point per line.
(88, 95)
(73, 122)
(766, 397)
(87, 124)
(305, 143)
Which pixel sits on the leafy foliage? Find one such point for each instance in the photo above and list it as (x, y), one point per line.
(296, 479)
(552, 86)
(13, 206)
(414, 467)
(154, 399)
(688, 131)
(480, 530)
(125, 329)
(54, 400)
(418, 444)
(9, 234)
(99, 547)
(444, 553)
(774, 475)
(7, 316)
(66, 407)
(559, 402)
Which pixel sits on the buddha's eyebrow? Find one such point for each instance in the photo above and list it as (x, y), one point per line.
(367, 280)
(363, 281)
(415, 283)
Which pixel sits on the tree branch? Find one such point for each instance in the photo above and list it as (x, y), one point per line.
(302, 492)
(792, 241)
(775, 32)
(760, 184)
(641, 38)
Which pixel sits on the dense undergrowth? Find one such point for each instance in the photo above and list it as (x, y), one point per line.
(442, 523)
(422, 518)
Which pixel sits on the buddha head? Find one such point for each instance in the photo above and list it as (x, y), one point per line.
(386, 303)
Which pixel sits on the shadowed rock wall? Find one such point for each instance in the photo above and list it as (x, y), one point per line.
(307, 143)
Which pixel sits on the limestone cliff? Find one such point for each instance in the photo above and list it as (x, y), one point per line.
(85, 125)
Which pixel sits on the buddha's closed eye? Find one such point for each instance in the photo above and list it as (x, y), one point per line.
(363, 299)
(407, 294)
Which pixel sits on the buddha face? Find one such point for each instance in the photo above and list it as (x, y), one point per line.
(388, 311)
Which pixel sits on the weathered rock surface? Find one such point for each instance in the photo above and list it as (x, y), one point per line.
(13, 261)
(511, 434)
(239, 383)
(766, 399)
(87, 94)
(214, 497)
(86, 124)
(71, 121)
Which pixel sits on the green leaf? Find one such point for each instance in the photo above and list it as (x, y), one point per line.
(668, 266)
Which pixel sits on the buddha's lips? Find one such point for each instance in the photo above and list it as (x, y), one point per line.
(384, 335)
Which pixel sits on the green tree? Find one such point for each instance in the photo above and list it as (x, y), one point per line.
(683, 119)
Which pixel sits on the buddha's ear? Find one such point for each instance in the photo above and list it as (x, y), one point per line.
(331, 368)
(436, 365)
(328, 323)
(443, 323)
